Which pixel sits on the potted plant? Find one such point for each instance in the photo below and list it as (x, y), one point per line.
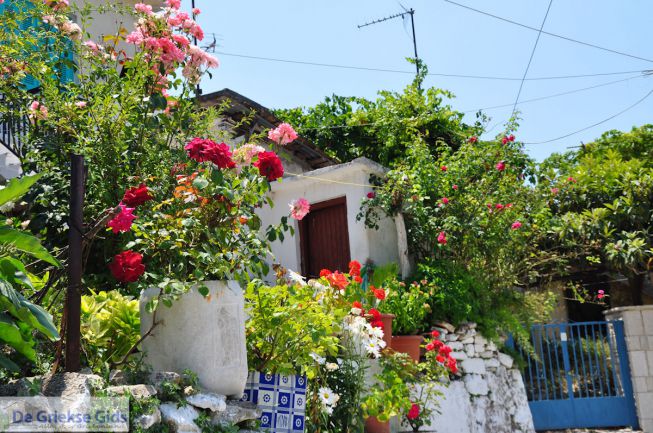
(290, 332)
(409, 303)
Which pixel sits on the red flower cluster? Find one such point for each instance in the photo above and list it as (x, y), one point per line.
(413, 413)
(507, 139)
(269, 165)
(136, 196)
(337, 279)
(376, 318)
(443, 353)
(379, 294)
(355, 271)
(202, 150)
(127, 266)
(473, 139)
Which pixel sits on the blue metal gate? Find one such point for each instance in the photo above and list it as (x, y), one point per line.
(577, 376)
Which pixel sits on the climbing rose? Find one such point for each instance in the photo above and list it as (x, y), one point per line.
(445, 200)
(282, 134)
(195, 148)
(501, 166)
(127, 266)
(555, 191)
(504, 140)
(371, 195)
(473, 139)
(571, 179)
(443, 168)
(452, 366)
(435, 334)
(601, 294)
(123, 221)
(511, 138)
(442, 238)
(413, 413)
(80, 104)
(269, 165)
(219, 154)
(136, 196)
(516, 225)
(299, 208)
(455, 187)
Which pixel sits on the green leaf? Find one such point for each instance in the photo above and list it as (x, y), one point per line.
(8, 364)
(11, 335)
(26, 243)
(204, 291)
(17, 187)
(23, 310)
(200, 183)
(14, 271)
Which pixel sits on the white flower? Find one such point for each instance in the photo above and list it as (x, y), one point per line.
(328, 398)
(331, 366)
(356, 311)
(295, 277)
(319, 359)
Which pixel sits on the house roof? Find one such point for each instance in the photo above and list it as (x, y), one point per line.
(241, 106)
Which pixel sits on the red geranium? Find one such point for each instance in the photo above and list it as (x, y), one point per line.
(269, 165)
(413, 413)
(195, 148)
(376, 316)
(377, 324)
(354, 268)
(136, 196)
(431, 346)
(378, 293)
(325, 272)
(337, 279)
(127, 266)
(440, 359)
(371, 195)
(435, 334)
(219, 154)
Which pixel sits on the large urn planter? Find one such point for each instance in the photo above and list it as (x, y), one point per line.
(386, 319)
(373, 425)
(203, 334)
(281, 399)
(409, 344)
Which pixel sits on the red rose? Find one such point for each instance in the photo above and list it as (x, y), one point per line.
(440, 359)
(438, 344)
(473, 139)
(127, 266)
(354, 268)
(195, 148)
(219, 154)
(413, 413)
(371, 195)
(504, 140)
(443, 168)
(511, 137)
(431, 346)
(445, 350)
(136, 196)
(452, 365)
(269, 165)
(435, 334)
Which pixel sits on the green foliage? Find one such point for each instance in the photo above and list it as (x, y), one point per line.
(110, 326)
(20, 319)
(601, 199)
(383, 130)
(287, 326)
(410, 305)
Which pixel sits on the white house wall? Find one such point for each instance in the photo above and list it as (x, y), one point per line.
(380, 246)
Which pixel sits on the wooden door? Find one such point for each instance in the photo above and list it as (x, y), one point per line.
(324, 238)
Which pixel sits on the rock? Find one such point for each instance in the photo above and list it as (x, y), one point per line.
(476, 385)
(452, 337)
(468, 340)
(137, 391)
(469, 350)
(492, 363)
(456, 345)
(458, 355)
(117, 377)
(444, 325)
(491, 346)
(236, 412)
(23, 387)
(180, 419)
(71, 384)
(505, 360)
(473, 365)
(210, 401)
(146, 421)
(159, 377)
(487, 355)
(479, 339)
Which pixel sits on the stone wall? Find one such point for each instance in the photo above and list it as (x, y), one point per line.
(490, 394)
(638, 326)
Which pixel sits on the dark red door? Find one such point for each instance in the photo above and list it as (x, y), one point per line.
(324, 238)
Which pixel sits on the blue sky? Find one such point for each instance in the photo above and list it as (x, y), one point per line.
(450, 40)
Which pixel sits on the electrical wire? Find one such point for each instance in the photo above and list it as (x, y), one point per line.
(639, 101)
(566, 38)
(530, 60)
(434, 74)
(555, 95)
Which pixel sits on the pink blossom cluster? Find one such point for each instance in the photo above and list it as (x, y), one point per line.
(282, 134)
(165, 38)
(299, 208)
(37, 111)
(244, 154)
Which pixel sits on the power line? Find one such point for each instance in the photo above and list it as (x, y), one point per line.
(639, 101)
(566, 38)
(555, 95)
(435, 74)
(530, 60)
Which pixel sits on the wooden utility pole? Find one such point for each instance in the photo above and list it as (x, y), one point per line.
(75, 240)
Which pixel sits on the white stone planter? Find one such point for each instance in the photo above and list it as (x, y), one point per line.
(205, 335)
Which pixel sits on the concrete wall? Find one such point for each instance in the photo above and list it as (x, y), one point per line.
(638, 324)
(344, 180)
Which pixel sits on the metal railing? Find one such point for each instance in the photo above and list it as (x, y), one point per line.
(13, 128)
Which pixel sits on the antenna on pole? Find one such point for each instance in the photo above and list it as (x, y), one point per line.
(410, 12)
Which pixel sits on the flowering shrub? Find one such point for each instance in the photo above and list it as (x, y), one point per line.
(409, 303)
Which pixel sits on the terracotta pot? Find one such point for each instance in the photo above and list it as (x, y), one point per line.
(372, 425)
(408, 344)
(387, 328)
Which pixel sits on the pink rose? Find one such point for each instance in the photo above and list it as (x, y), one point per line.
(442, 238)
(299, 208)
(282, 134)
(516, 225)
(123, 221)
(501, 166)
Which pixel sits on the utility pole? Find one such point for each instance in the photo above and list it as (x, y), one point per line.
(410, 12)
